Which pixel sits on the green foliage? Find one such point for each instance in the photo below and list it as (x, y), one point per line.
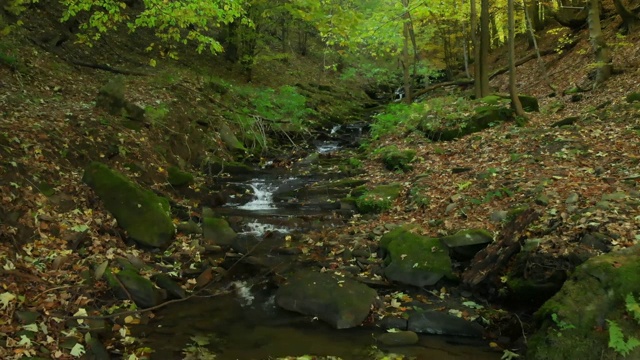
(419, 197)
(633, 308)
(616, 336)
(8, 60)
(561, 324)
(173, 22)
(395, 119)
(617, 342)
(265, 110)
(370, 72)
(355, 163)
(157, 114)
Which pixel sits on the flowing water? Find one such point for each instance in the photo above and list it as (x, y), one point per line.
(245, 322)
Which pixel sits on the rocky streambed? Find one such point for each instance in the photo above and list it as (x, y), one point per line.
(283, 279)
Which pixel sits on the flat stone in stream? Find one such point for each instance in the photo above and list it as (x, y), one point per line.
(399, 338)
(439, 323)
(341, 302)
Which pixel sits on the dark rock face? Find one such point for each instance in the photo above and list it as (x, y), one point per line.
(341, 302)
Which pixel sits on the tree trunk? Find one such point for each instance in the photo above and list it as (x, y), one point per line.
(630, 20)
(600, 48)
(231, 43)
(477, 88)
(495, 39)
(405, 53)
(414, 44)
(465, 48)
(531, 29)
(533, 11)
(515, 100)
(485, 44)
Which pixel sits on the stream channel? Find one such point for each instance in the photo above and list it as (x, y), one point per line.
(245, 323)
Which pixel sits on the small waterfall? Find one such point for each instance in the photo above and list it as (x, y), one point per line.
(262, 196)
(335, 129)
(258, 229)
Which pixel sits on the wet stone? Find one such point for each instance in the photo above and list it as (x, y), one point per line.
(341, 302)
(439, 323)
(400, 338)
(393, 323)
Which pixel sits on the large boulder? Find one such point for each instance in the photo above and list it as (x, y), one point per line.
(484, 118)
(341, 302)
(111, 98)
(414, 259)
(144, 215)
(573, 323)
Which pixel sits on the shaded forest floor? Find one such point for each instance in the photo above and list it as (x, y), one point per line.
(50, 129)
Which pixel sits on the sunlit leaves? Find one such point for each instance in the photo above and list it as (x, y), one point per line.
(173, 22)
(5, 299)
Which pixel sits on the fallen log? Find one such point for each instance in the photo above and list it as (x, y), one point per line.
(489, 263)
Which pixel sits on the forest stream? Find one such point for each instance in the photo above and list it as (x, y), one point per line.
(246, 322)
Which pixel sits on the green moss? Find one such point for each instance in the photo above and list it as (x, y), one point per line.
(492, 99)
(379, 199)
(143, 214)
(415, 259)
(595, 292)
(395, 159)
(513, 213)
(529, 103)
(633, 97)
(217, 230)
(177, 177)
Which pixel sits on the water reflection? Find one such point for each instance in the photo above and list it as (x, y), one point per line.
(263, 331)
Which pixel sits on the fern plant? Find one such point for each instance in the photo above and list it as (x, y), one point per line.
(616, 335)
(617, 342)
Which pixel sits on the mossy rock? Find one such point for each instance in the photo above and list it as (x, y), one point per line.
(142, 290)
(111, 96)
(230, 140)
(230, 167)
(395, 159)
(143, 214)
(178, 178)
(529, 103)
(484, 118)
(633, 97)
(596, 293)
(492, 99)
(466, 243)
(217, 231)
(165, 282)
(414, 259)
(379, 199)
